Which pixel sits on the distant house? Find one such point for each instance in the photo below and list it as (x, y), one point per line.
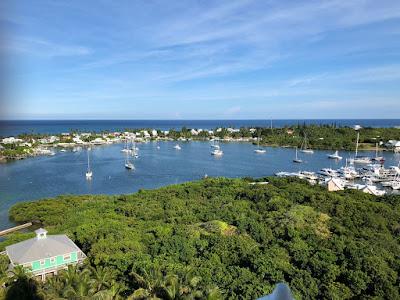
(290, 131)
(392, 144)
(11, 140)
(371, 189)
(45, 255)
(334, 184)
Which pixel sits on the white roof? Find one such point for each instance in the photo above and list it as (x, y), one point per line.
(35, 249)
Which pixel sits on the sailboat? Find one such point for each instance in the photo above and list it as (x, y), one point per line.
(128, 164)
(297, 160)
(378, 158)
(335, 155)
(259, 150)
(304, 146)
(126, 149)
(359, 159)
(134, 149)
(89, 172)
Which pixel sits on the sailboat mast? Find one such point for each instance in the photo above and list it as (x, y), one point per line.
(358, 138)
(88, 160)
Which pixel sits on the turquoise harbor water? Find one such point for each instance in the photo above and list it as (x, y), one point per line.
(64, 173)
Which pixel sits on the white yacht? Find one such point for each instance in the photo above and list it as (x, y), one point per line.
(177, 147)
(89, 172)
(329, 172)
(348, 172)
(335, 155)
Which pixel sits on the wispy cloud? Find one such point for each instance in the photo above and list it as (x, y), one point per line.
(43, 48)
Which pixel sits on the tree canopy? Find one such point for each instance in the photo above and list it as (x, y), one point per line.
(221, 237)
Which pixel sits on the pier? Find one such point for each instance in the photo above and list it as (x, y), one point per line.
(16, 228)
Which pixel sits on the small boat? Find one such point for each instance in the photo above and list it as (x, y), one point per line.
(361, 160)
(126, 149)
(89, 172)
(335, 155)
(177, 147)
(304, 148)
(217, 152)
(63, 150)
(378, 158)
(296, 159)
(129, 166)
(329, 172)
(259, 150)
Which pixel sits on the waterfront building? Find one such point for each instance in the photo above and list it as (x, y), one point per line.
(45, 255)
(334, 184)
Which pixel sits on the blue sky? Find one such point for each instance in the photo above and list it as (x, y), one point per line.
(201, 59)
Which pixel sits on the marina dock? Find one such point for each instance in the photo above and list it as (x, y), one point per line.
(16, 228)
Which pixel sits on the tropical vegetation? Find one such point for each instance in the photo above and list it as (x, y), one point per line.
(220, 238)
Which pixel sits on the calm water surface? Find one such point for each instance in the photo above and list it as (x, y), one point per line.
(64, 173)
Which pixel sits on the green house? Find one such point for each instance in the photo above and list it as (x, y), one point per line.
(45, 254)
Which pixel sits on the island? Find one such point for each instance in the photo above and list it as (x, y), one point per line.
(322, 137)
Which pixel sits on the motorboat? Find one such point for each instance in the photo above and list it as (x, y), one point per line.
(335, 155)
(329, 172)
(177, 147)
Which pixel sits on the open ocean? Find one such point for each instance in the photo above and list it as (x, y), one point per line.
(11, 128)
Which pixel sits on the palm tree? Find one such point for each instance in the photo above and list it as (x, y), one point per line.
(77, 283)
(151, 284)
(102, 278)
(22, 285)
(52, 288)
(113, 293)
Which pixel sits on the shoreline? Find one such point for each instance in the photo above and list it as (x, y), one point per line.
(310, 136)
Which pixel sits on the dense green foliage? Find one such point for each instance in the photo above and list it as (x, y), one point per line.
(328, 136)
(238, 237)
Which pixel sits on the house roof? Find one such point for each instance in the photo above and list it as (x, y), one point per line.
(36, 249)
(336, 182)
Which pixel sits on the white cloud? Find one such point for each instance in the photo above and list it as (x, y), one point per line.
(43, 48)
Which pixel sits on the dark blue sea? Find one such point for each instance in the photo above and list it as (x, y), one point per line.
(12, 128)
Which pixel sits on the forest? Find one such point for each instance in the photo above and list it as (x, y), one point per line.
(218, 238)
